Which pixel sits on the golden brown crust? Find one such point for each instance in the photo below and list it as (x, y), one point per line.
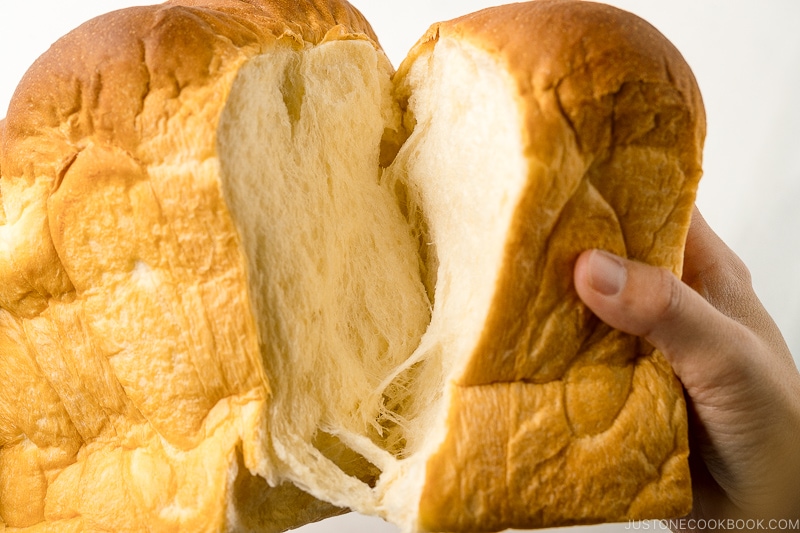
(513, 458)
(613, 125)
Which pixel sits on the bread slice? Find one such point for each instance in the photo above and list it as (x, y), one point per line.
(252, 278)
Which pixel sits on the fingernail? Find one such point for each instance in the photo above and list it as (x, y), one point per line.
(607, 274)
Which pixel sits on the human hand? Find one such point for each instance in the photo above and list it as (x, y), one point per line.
(742, 383)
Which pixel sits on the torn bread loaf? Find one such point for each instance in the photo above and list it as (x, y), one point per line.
(251, 277)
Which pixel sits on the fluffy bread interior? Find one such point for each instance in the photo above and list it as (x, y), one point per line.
(333, 268)
(464, 170)
(332, 244)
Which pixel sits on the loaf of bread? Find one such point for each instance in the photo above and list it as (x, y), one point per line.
(251, 277)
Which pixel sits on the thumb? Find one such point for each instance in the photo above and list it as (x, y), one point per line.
(703, 345)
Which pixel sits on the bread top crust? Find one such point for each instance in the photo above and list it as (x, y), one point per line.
(567, 58)
(95, 80)
(119, 80)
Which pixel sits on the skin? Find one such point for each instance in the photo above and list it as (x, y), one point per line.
(741, 382)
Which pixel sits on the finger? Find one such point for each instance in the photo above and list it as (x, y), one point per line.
(712, 269)
(715, 271)
(702, 345)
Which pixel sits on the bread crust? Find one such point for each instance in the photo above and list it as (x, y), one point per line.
(541, 430)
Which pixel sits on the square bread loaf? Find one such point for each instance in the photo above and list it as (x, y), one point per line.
(252, 277)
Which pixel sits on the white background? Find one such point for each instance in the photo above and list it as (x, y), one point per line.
(745, 55)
